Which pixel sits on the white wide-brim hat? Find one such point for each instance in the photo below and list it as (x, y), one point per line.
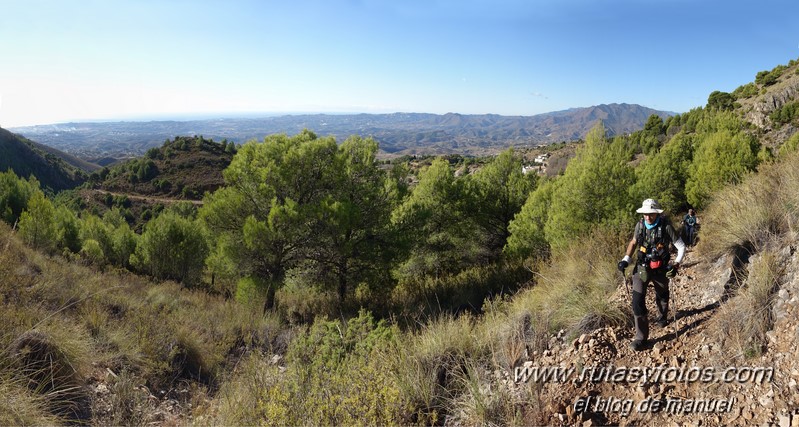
(650, 206)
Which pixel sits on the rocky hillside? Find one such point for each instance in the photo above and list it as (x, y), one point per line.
(184, 168)
(785, 90)
(779, 92)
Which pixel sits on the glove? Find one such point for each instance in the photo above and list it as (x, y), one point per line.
(671, 270)
(622, 265)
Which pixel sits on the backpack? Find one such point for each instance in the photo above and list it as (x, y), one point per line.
(653, 245)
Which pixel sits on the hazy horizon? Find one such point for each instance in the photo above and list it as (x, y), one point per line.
(109, 61)
(256, 115)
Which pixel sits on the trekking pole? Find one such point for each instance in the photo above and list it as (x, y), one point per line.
(626, 282)
(674, 305)
(676, 325)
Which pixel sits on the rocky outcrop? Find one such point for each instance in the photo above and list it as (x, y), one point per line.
(766, 104)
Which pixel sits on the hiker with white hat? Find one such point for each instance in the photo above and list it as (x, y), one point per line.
(653, 235)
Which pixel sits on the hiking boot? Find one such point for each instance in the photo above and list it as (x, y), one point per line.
(662, 321)
(637, 345)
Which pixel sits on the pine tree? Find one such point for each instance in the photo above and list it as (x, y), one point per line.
(37, 223)
(594, 190)
(436, 234)
(496, 194)
(527, 236)
(67, 230)
(724, 154)
(663, 175)
(172, 247)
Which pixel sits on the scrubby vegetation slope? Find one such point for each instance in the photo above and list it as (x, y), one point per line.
(54, 169)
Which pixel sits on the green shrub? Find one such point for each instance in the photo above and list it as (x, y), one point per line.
(593, 191)
(301, 303)
(328, 343)
(434, 227)
(785, 114)
(790, 145)
(663, 175)
(124, 242)
(720, 101)
(768, 78)
(183, 209)
(92, 252)
(67, 228)
(162, 184)
(745, 91)
(145, 170)
(93, 228)
(461, 292)
(527, 236)
(334, 375)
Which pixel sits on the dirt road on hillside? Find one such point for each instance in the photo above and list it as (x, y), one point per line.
(151, 199)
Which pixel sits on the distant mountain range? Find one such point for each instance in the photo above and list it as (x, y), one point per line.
(397, 133)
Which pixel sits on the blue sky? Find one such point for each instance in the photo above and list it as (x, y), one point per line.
(100, 60)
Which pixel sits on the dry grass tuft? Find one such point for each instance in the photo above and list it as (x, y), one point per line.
(485, 402)
(427, 369)
(21, 406)
(573, 291)
(129, 403)
(54, 362)
(754, 212)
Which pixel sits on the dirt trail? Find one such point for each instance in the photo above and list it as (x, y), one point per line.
(688, 378)
(150, 199)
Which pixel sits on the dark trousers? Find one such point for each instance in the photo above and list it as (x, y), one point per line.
(660, 282)
(690, 232)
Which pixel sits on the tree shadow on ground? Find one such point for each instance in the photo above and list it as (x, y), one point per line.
(683, 329)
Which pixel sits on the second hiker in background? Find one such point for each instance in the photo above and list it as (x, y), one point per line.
(690, 225)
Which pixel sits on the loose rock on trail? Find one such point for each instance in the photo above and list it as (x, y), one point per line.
(683, 376)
